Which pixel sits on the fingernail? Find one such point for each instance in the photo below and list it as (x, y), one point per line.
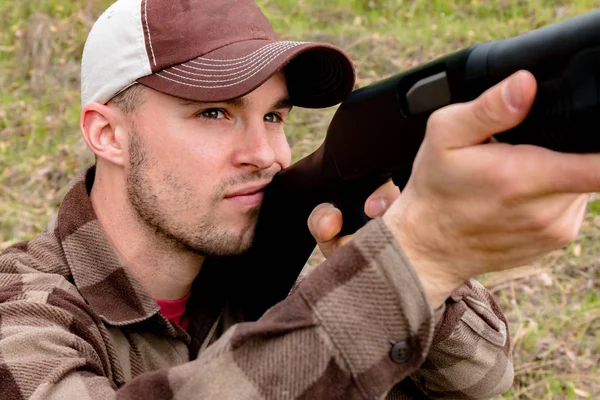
(377, 206)
(513, 92)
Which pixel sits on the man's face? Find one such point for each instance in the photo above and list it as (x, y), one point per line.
(197, 171)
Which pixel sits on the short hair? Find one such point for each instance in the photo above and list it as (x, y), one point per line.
(130, 99)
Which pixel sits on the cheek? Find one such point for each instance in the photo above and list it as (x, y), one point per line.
(165, 148)
(200, 167)
(191, 152)
(189, 170)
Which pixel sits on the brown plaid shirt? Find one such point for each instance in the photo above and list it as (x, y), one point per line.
(74, 324)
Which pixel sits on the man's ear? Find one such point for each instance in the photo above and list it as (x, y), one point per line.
(102, 128)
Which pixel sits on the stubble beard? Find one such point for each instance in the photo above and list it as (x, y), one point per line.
(205, 236)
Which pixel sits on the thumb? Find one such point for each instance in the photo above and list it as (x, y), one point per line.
(498, 109)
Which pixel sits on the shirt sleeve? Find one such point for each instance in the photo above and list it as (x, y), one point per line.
(470, 355)
(358, 325)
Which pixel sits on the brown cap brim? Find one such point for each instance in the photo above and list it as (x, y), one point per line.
(318, 74)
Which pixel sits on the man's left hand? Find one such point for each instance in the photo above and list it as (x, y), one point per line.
(325, 222)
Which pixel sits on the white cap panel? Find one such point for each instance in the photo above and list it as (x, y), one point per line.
(119, 54)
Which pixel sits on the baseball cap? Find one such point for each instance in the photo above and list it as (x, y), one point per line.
(205, 51)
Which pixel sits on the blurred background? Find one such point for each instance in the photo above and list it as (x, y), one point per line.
(553, 305)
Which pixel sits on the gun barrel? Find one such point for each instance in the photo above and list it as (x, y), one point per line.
(565, 60)
(546, 48)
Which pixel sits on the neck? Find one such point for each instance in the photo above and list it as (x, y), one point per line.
(165, 270)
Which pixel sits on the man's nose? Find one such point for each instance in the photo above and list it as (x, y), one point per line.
(256, 147)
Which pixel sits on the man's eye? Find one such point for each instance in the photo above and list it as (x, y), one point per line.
(273, 117)
(212, 113)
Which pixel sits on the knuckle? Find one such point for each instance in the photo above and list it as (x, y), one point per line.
(434, 119)
(515, 191)
(432, 126)
(511, 189)
(437, 125)
(438, 120)
(513, 181)
(539, 222)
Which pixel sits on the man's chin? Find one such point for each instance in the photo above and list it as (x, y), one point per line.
(226, 250)
(233, 244)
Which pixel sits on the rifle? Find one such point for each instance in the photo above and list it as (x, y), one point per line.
(377, 130)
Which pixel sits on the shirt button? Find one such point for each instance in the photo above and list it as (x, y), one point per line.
(401, 352)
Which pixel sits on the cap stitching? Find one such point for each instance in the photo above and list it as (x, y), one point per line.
(263, 63)
(147, 25)
(239, 69)
(254, 55)
(267, 46)
(237, 82)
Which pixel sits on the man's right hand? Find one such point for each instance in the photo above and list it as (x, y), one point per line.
(473, 205)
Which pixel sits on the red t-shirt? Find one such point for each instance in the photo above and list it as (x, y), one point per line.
(174, 310)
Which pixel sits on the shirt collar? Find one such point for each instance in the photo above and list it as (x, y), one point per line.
(100, 276)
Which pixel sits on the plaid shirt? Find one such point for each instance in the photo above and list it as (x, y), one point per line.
(75, 324)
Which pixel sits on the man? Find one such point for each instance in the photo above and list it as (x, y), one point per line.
(183, 105)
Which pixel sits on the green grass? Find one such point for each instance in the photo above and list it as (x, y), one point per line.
(553, 306)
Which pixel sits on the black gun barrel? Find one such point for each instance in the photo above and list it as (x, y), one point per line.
(565, 60)
(546, 48)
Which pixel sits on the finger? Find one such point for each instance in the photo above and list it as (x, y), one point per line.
(378, 202)
(571, 173)
(498, 109)
(325, 222)
(545, 171)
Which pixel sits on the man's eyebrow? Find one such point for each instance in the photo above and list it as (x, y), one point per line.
(284, 102)
(239, 102)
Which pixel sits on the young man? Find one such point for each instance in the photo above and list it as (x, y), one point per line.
(183, 105)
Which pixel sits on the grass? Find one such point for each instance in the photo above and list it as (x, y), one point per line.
(553, 306)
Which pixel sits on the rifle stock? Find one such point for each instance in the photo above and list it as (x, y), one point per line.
(377, 130)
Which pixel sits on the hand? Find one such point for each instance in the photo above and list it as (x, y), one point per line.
(473, 205)
(325, 222)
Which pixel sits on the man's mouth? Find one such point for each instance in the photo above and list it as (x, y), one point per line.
(248, 196)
